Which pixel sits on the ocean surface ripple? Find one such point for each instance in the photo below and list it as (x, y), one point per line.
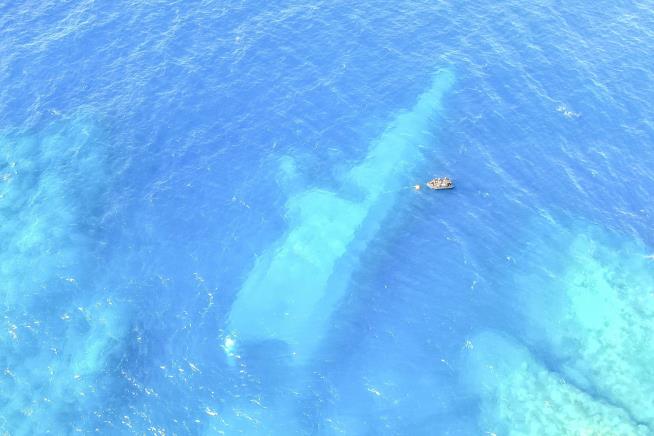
(178, 176)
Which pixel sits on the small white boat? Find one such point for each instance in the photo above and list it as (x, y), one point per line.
(440, 183)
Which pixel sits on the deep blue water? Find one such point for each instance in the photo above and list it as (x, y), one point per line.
(208, 225)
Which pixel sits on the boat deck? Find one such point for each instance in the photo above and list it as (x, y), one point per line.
(440, 183)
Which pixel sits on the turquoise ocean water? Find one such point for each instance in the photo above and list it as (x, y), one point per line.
(208, 223)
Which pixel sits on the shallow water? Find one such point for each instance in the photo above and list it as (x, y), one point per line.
(154, 155)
